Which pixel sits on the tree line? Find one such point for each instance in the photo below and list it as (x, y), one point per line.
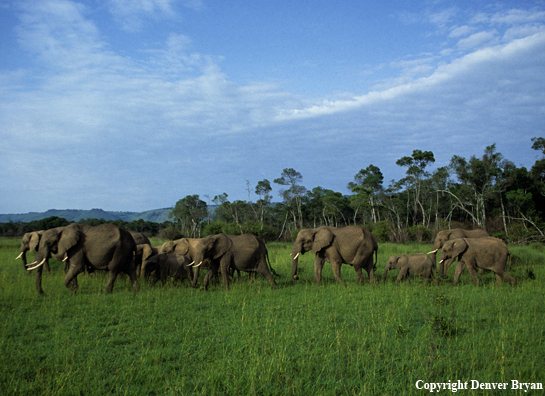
(488, 192)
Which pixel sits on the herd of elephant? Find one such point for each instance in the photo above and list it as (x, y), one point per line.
(109, 247)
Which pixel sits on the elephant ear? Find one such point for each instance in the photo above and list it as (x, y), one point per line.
(459, 246)
(182, 247)
(34, 241)
(69, 237)
(402, 260)
(146, 251)
(222, 244)
(322, 239)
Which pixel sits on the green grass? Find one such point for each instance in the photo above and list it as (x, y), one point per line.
(297, 340)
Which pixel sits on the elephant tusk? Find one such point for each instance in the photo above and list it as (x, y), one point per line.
(297, 255)
(36, 266)
(19, 256)
(34, 262)
(191, 263)
(433, 251)
(441, 262)
(64, 259)
(198, 264)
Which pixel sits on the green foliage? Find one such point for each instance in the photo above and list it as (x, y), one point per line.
(299, 339)
(419, 233)
(382, 230)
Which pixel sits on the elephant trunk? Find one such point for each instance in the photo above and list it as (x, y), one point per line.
(386, 272)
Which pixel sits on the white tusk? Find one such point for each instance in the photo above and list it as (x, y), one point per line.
(441, 262)
(198, 264)
(36, 266)
(19, 256)
(34, 262)
(297, 255)
(191, 263)
(64, 259)
(433, 251)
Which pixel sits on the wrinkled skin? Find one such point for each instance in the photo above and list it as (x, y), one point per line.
(104, 247)
(241, 252)
(30, 242)
(487, 253)
(447, 235)
(349, 245)
(165, 266)
(417, 264)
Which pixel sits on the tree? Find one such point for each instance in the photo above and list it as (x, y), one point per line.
(188, 213)
(263, 190)
(292, 196)
(416, 165)
(366, 185)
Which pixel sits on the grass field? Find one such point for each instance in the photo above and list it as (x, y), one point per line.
(297, 340)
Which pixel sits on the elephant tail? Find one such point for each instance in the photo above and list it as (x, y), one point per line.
(376, 259)
(270, 266)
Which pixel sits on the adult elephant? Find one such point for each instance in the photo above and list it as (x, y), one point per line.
(487, 253)
(241, 252)
(104, 247)
(350, 245)
(187, 247)
(446, 235)
(30, 242)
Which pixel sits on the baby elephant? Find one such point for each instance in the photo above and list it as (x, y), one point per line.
(416, 264)
(164, 266)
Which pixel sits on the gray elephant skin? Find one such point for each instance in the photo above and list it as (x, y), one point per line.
(104, 247)
(187, 247)
(350, 245)
(144, 251)
(447, 235)
(139, 238)
(164, 266)
(487, 253)
(417, 264)
(30, 242)
(244, 252)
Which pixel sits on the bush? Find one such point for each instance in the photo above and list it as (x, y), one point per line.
(382, 230)
(170, 233)
(419, 233)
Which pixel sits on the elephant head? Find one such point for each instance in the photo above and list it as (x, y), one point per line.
(396, 262)
(30, 242)
(212, 247)
(143, 253)
(314, 239)
(56, 242)
(451, 250)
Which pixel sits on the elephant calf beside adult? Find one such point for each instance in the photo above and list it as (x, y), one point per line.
(104, 247)
(350, 245)
(487, 253)
(165, 266)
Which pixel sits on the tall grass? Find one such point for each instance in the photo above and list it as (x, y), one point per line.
(297, 340)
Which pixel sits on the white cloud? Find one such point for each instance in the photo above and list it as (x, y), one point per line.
(478, 40)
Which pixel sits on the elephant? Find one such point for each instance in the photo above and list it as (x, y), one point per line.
(104, 247)
(416, 264)
(30, 242)
(350, 245)
(447, 235)
(175, 266)
(187, 247)
(244, 252)
(139, 238)
(143, 252)
(488, 253)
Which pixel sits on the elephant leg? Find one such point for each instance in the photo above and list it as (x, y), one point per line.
(359, 274)
(473, 272)
(459, 269)
(337, 272)
(263, 269)
(39, 272)
(134, 280)
(224, 268)
(71, 280)
(498, 280)
(318, 266)
(112, 276)
(509, 278)
(402, 274)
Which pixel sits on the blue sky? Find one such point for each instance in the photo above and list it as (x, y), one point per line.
(131, 105)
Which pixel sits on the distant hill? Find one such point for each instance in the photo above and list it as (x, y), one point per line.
(156, 215)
